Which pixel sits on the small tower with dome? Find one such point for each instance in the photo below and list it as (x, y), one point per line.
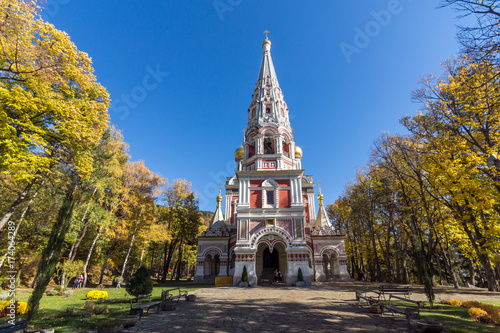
(270, 220)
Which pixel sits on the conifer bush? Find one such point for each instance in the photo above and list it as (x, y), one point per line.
(300, 277)
(140, 283)
(244, 275)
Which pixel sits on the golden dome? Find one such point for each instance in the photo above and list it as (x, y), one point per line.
(239, 153)
(298, 152)
(266, 41)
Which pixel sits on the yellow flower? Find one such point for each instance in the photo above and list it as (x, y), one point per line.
(3, 305)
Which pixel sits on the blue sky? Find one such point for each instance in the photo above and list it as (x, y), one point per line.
(181, 75)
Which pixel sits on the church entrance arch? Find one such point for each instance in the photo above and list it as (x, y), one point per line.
(269, 258)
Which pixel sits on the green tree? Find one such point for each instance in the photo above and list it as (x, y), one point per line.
(140, 283)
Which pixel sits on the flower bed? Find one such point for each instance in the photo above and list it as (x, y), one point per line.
(97, 294)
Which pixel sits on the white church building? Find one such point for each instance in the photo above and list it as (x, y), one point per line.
(270, 221)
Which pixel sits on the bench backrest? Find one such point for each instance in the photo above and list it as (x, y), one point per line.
(394, 289)
(136, 299)
(22, 324)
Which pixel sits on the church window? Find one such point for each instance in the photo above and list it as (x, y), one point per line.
(268, 110)
(298, 228)
(243, 229)
(270, 197)
(268, 146)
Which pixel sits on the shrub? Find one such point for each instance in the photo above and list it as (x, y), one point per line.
(453, 302)
(94, 308)
(140, 283)
(97, 294)
(300, 277)
(58, 288)
(51, 293)
(60, 293)
(244, 275)
(155, 283)
(22, 308)
(471, 304)
(491, 310)
(478, 314)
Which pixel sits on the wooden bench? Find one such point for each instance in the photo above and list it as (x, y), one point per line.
(393, 291)
(17, 326)
(141, 307)
(409, 313)
(173, 295)
(361, 295)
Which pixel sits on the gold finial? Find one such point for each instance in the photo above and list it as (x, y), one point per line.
(219, 197)
(320, 195)
(266, 32)
(244, 138)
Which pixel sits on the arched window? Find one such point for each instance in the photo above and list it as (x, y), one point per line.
(270, 197)
(268, 110)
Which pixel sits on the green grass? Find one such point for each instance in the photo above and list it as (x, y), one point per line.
(65, 313)
(454, 319)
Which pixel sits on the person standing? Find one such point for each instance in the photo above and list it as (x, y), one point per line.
(280, 276)
(276, 276)
(80, 282)
(119, 284)
(76, 282)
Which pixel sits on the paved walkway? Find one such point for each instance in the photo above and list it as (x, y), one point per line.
(320, 308)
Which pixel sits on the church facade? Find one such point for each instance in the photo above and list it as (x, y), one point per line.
(270, 222)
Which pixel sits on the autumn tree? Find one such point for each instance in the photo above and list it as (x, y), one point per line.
(51, 106)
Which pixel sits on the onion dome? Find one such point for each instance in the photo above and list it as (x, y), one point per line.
(298, 152)
(239, 153)
(266, 45)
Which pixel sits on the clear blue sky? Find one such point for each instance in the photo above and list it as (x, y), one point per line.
(188, 123)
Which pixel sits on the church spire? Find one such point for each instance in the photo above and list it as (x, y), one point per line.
(268, 142)
(322, 220)
(218, 219)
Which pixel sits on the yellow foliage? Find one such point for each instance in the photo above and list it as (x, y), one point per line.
(97, 294)
(477, 314)
(4, 304)
(471, 304)
(22, 308)
(453, 302)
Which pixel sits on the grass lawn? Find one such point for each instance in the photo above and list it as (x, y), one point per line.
(67, 313)
(455, 319)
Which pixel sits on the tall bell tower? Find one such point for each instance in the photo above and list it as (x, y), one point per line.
(270, 221)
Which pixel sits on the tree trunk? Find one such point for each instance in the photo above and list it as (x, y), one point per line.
(420, 260)
(165, 267)
(169, 258)
(52, 251)
(110, 251)
(472, 281)
(17, 202)
(129, 248)
(142, 257)
(91, 250)
(179, 262)
(74, 248)
(21, 218)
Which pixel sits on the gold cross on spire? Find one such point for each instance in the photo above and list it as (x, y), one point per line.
(266, 32)
(319, 185)
(244, 131)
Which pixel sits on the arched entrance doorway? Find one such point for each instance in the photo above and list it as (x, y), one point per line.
(269, 259)
(330, 265)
